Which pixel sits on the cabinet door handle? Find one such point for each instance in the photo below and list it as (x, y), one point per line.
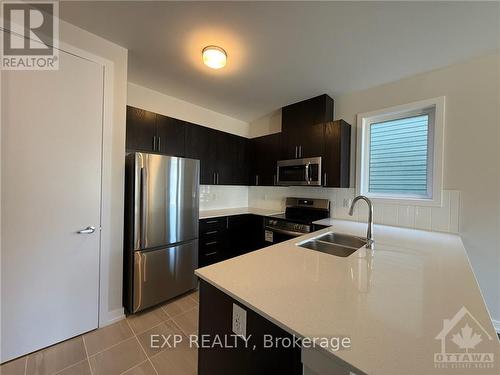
(324, 179)
(257, 180)
(300, 151)
(212, 221)
(211, 243)
(154, 142)
(296, 152)
(159, 143)
(217, 178)
(211, 232)
(275, 180)
(210, 254)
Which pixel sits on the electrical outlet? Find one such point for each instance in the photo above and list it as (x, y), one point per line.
(239, 321)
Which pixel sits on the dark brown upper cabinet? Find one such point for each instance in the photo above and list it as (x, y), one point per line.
(303, 127)
(223, 156)
(141, 130)
(201, 144)
(265, 151)
(232, 159)
(337, 154)
(227, 159)
(151, 132)
(171, 136)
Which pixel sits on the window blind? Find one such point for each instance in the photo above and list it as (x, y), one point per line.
(398, 156)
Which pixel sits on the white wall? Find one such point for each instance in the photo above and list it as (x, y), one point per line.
(269, 124)
(472, 157)
(154, 101)
(113, 171)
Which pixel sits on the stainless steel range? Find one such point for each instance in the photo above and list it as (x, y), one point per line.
(297, 220)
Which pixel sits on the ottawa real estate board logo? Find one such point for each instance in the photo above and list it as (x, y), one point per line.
(30, 35)
(465, 344)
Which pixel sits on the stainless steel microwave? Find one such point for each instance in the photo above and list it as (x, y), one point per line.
(299, 172)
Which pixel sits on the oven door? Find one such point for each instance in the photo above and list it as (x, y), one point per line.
(302, 172)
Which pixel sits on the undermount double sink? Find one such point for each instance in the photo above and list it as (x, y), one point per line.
(341, 245)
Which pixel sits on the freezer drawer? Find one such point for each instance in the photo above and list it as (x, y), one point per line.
(162, 274)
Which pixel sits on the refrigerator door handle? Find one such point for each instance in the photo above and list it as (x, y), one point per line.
(143, 203)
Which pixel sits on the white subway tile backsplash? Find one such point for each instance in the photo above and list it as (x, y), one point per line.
(440, 216)
(423, 218)
(406, 216)
(361, 211)
(445, 218)
(214, 197)
(266, 197)
(390, 214)
(343, 202)
(378, 213)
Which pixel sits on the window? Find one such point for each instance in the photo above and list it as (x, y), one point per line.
(400, 153)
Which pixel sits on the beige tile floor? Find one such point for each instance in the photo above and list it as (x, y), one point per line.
(123, 347)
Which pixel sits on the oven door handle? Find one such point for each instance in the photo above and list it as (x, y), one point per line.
(284, 231)
(308, 179)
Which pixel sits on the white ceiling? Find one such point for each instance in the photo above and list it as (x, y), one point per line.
(282, 52)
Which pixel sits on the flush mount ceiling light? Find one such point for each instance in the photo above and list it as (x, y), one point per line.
(214, 57)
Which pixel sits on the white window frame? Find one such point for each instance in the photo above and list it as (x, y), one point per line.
(436, 109)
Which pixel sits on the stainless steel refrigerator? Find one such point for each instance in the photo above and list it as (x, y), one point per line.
(161, 228)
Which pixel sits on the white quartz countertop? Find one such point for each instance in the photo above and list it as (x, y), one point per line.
(391, 302)
(206, 214)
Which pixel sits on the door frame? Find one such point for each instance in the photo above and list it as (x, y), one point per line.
(105, 241)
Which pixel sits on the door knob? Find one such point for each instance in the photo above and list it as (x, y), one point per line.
(87, 230)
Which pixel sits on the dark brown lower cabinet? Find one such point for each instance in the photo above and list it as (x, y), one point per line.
(215, 321)
(212, 243)
(225, 237)
(245, 234)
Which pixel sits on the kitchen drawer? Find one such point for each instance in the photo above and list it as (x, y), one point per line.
(209, 244)
(210, 251)
(213, 224)
(213, 234)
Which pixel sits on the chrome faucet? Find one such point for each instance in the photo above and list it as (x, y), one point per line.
(369, 233)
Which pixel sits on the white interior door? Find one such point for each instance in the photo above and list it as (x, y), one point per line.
(50, 189)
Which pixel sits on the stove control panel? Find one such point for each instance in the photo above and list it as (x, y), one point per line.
(287, 225)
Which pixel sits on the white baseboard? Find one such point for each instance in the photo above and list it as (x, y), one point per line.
(496, 325)
(111, 317)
